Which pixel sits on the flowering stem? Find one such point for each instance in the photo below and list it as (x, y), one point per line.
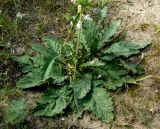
(77, 44)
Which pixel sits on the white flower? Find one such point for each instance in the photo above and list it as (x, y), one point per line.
(79, 24)
(71, 23)
(20, 15)
(62, 118)
(79, 8)
(87, 17)
(99, 76)
(73, 1)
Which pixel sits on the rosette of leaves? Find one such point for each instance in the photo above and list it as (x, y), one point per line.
(81, 73)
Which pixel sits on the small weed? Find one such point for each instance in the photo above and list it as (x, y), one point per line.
(15, 112)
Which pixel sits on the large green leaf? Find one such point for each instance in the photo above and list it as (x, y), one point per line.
(102, 13)
(49, 68)
(112, 70)
(52, 103)
(90, 33)
(53, 44)
(39, 48)
(84, 42)
(100, 103)
(108, 32)
(82, 86)
(38, 60)
(126, 48)
(32, 79)
(54, 71)
(117, 83)
(23, 60)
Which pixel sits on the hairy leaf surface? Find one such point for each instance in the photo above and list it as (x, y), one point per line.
(90, 33)
(32, 79)
(102, 13)
(126, 48)
(49, 68)
(82, 86)
(100, 103)
(108, 32)
(53, 44)
(117, 83)
(52, 103)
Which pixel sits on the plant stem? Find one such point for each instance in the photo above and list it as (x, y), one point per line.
(77, 46)
(102, 3)
(65, 41)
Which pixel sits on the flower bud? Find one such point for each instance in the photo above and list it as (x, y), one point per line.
(79, 9)
(87, 17)
(73, 1)
(71, 23)
(79, 24)
(20, 15)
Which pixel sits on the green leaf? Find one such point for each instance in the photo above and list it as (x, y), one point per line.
(126, 49)
(53, 44)
(27, 69)
(102, 13)
(56, 73)
(108, 32)
(108, 57)
(82, 86)
(53, 102)
(38, 60)
(32, 79)
(112, 70)
(49, 68)
(134, 68)
(117, 83)
(99, 102)
(90, 33)
(39, 48)
(83, 41)
(23, 60)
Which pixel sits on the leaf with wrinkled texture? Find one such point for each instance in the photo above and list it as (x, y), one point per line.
(102, 13)
(82, 86)
(126, 49)
(100, 103)
(117, 83)
(53, 102)
(39, 48)
(32, 79)
(49, 68)
(90, 34)
(109, 32)
(53, 44)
